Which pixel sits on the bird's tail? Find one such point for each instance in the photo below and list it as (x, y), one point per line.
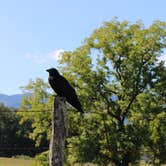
(78, 107)
(81, 110)
(75, 103)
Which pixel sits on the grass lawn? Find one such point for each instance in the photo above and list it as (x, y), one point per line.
(31, 162)
(17, 162)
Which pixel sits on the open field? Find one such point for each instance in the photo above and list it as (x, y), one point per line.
(31, 162)
(17, 162)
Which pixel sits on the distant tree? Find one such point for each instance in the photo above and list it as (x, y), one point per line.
(12, 135)
(8, 128)
(122, 88)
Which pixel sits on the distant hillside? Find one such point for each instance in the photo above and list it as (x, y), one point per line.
(12, 100)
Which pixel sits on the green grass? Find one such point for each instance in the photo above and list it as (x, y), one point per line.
(31, 162)
(17, 162)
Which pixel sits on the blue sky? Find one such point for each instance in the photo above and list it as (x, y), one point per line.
(34, 32)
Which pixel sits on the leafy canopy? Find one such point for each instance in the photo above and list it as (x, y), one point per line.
(120, 81)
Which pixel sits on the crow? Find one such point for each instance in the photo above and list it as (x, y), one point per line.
(63, 88)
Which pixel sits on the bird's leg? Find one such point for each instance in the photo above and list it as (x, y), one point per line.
(62, 97)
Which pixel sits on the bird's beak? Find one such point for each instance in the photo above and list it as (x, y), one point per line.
(47, 70)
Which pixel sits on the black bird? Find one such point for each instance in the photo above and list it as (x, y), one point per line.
(62, 87)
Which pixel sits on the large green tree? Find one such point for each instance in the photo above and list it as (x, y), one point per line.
(122, 88)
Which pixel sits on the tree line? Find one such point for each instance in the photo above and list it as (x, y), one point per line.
(122, 86)
(14, 138)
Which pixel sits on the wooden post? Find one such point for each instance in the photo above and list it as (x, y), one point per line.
(57, 142)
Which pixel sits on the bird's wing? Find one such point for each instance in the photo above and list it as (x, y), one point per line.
(66, 87)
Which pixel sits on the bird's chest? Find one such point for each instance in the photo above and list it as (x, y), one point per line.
(51, 78)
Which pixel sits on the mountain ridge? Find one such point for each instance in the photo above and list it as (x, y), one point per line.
(11, 100)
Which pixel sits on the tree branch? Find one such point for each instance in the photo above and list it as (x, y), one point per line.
(129, 105)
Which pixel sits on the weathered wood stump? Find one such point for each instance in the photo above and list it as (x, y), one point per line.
(57, 142)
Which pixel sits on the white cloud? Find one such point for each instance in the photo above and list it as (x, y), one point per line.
(57, 54)
(38, 59)
(45, 58)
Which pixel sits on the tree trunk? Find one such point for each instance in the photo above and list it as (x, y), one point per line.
(123, 162)
(57, 142)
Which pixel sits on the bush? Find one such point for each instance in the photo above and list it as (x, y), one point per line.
(43, 158)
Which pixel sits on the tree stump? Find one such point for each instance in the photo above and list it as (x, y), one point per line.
(57, 142)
